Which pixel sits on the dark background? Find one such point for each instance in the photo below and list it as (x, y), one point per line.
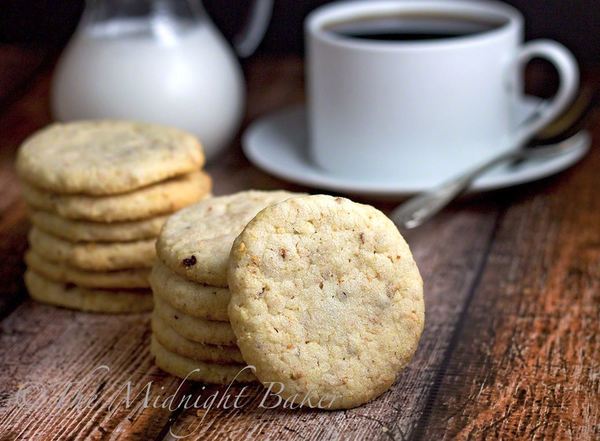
(47, 24)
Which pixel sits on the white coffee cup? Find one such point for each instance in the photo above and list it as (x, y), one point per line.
(424, 109)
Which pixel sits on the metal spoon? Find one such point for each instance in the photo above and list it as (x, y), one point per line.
(424, 206)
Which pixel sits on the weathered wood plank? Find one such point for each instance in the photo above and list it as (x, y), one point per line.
(527, 358)
(54, 362)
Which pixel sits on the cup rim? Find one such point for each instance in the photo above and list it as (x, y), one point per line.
(318, 19)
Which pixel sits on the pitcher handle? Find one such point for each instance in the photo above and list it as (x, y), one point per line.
(254, 30)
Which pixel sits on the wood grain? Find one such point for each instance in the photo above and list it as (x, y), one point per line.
(510, 347)
(527, 358)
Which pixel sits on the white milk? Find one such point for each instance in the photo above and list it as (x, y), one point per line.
(188, 78)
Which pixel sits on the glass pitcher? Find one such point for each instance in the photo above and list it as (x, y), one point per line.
(158, 61)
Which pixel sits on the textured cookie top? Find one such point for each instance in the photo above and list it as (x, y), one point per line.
(106, 157)
(325, 299)
(195, 242)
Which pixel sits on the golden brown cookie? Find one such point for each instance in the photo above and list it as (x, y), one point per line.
(194, 370)
(106, 157)
(154, 200)
(191, 298)
(195, 242)
(85, 299)
(89, 231)
(177, 344)
(326, 299)
(193, 328)
(93, 256)
(136, 278)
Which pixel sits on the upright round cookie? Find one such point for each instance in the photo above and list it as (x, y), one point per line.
(106, 157)
(195, 242)
(326, 299)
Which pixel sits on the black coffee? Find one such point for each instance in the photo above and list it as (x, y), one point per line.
(401, 36)
(412, 27)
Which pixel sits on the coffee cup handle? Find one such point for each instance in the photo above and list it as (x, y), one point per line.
(568, 72)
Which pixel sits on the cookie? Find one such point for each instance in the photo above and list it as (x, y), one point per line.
(154, 200)
(326, 299)
(89, 231)
(202, 301)
(106, 157)
(193, 328)
(194, 370)
(93, 256)
(177, 344)
(84, 299)
(123, 279)
(195, 242)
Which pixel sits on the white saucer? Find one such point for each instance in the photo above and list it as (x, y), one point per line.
(277, 144)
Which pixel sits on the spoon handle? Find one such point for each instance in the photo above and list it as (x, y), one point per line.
(423, 207)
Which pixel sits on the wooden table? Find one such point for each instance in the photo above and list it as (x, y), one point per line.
(510, 348)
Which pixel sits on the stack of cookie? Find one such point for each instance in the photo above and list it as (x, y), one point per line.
(318, 294)
(99, 193)
(192, 337)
